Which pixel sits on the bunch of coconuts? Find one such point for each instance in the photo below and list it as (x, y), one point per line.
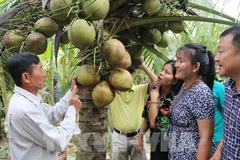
(80, 32)
(35, 42)
(114, 52)
(155, 33)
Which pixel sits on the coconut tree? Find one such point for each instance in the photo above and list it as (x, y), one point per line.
(132, 22)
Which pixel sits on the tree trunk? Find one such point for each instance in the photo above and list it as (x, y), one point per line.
(3, 87)
(93, 124)
(4, 100)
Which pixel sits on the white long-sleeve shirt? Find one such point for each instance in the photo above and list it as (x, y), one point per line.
(32, 135)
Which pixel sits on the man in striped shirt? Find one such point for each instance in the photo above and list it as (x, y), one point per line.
(228, 60)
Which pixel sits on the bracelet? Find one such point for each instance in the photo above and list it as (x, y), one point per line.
(151, 102)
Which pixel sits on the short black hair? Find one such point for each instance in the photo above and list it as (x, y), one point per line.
(235, 31)
(20, 63)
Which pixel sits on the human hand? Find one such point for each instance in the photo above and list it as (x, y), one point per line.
(139, 145)
(75, 101)
(74, 82)
(217, 155)
(154, 94)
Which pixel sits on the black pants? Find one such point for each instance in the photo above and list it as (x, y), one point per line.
(158, 146)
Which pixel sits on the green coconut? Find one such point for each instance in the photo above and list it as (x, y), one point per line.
(151, 36)
(12, 41)
(81, 33)
(121, 79)
(103, 94)
(151, 6)
(36, 43)
(96, 9)
(126, 61)
(87, 75)
(164, 41)
(47, 26)
(176, 26)
(60, 8)
(113, 51)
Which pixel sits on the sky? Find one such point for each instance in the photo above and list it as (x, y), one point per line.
(230, 7)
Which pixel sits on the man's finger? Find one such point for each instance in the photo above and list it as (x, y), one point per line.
(74, 91)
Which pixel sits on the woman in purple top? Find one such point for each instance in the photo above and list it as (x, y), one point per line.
(192, 110)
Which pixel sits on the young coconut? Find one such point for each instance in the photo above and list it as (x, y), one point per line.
(81, 33)
(164, 41)
(60, 8)
(126, 61)
(103, 94)
(113, 51)
(121, 79)
(87, 75)
(47, 26)
(176, 26)
(96, 9)
(12, 41)
(36, 43)
(151, 6)
(151, 36)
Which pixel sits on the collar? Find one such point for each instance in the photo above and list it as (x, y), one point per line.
(31, 97)
(230, 83)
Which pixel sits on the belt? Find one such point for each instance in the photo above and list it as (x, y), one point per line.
(129, 134)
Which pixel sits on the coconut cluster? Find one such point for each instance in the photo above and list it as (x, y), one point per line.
(103, 93)
(36, 41)
(74, 20)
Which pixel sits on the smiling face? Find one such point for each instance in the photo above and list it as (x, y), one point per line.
(166, 77)
(184, 67)
(228, 57)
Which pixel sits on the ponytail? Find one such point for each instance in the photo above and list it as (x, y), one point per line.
(209, 76)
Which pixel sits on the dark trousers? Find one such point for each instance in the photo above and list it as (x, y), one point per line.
(158, 146)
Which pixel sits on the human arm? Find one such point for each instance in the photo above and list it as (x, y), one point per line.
(153, 110)
(139, 145)
(203, 111)
(206, 132)
(34, 126)
(218, 153)
(150, 74)
(56, 112)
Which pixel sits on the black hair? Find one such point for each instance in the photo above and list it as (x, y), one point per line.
(176, 87)
(20, 63)
(235, 31)
(199, 53)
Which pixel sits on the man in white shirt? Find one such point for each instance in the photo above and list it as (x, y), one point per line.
(32, 135)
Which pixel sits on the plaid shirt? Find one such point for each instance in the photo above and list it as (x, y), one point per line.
(231, 144)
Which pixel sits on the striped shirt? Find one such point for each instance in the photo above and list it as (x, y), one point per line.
(231, 143)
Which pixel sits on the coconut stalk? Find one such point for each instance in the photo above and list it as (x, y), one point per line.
(148, 47)
(149, 20)
(3, 87)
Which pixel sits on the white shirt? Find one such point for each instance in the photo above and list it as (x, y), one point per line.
(32, 135)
